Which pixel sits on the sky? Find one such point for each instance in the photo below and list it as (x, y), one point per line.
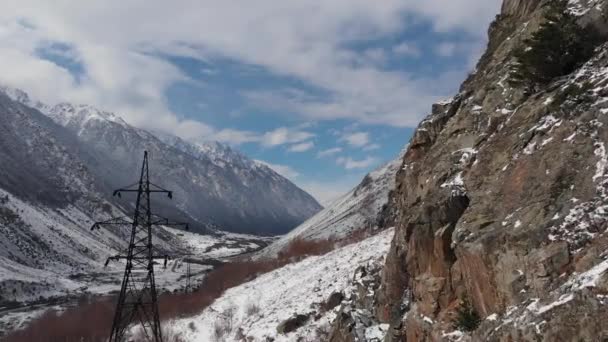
(322, 91)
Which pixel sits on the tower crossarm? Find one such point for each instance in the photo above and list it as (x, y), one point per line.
(163, 221)
(116, 221)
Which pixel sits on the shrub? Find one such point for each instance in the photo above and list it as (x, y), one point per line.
(571, 96)
(252, 309)
(221, 329)
(90, 321)
(299, 248)
(467, 318)
(558, 48)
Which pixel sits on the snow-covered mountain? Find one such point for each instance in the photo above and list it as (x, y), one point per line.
(49, 198)
(364, 207)
(215, 186)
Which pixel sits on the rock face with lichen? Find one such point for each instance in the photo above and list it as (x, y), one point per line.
(503, 202)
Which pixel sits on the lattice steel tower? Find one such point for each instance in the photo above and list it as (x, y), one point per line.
(138, 299)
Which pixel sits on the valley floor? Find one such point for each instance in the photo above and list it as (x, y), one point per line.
(203, 253)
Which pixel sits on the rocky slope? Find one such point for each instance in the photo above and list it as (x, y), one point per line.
(297, 302)
(366, 207)
(216, 186)
(502, 201)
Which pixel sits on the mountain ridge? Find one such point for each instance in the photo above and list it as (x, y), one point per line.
(221, 188)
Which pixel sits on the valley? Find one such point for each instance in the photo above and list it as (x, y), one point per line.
(203, 252)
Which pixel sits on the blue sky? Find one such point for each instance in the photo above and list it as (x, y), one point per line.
(321, 91)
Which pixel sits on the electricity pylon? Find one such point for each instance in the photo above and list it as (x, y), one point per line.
(138, 299)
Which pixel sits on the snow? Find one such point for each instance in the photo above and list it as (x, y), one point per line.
(376, 333)
(358, 209)
(590, 277)
(581, 8)
(600, 151)
(535, 309)
(455, 182)
(427, 320)
(455, 335)
(546, 141)
(298, 288)
(546, 123)
(530, 148)
(570, 138)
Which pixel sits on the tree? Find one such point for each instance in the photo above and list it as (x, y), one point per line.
(467, 318)
(559, 47)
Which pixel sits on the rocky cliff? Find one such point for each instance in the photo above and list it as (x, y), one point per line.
(503, 203)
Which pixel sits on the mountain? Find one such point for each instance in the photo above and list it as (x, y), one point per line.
(216, 187)
(49, 198)
(502, 199)
(50, 195)
(365, 207)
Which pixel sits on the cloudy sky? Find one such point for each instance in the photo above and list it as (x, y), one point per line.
(323, 91)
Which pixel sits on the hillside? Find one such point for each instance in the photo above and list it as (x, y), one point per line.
(312, 288)
(218, 187)
(364, 208)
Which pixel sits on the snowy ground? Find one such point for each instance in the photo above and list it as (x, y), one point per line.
(255, 309)
(358, 209)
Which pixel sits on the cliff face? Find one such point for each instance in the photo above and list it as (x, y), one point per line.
(503, 201)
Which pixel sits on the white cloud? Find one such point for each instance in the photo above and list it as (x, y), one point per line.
(124, 72)
(371, 147)
(284, 170)
(407, 49)
(446, 49)
(329, 152)
(349, 163)
(301, 147)
(356, 139)
(236, 137)
(284, 135)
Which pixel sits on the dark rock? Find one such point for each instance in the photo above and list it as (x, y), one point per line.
(292, 323)
(334, 300)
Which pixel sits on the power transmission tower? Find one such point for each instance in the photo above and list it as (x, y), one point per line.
(138, 299)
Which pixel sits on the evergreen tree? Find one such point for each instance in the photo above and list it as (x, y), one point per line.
(467, 318)
(558, 48)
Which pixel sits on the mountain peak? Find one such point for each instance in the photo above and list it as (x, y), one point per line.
(69, 114)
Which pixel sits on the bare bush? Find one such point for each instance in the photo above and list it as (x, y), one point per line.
(90, 321)
(221, 329)
(252, 309)
(299, 249)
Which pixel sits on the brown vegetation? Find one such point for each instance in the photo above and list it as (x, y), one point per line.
(89, 321)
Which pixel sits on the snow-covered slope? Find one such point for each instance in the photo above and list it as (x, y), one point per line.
(255, 309)
(49, 198)
(361, 208)
(216, 187)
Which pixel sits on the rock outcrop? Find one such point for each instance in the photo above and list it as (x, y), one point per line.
(503, 202)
